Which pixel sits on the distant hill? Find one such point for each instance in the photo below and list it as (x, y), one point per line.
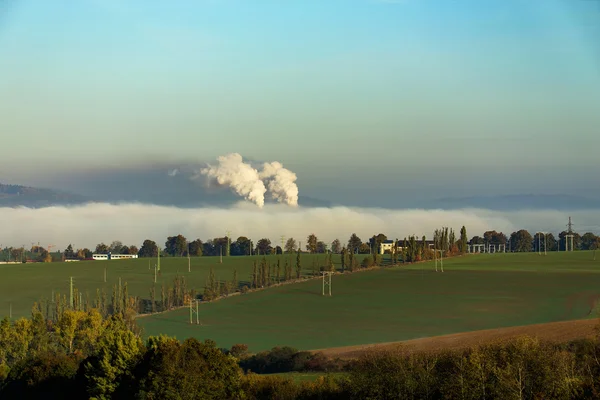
(560, 202)
(16, 195)
(188, 196)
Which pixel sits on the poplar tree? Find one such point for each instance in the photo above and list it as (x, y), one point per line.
(255, 276)
(234, 281)
(278, 270)
(298, 265)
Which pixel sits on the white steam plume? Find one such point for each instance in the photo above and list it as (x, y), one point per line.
(88, 225)
(240, 176)
(281, 183)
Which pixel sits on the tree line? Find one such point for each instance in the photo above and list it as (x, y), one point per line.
(180, 246)
(81, 354)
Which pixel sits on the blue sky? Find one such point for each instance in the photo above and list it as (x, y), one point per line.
(337, 90)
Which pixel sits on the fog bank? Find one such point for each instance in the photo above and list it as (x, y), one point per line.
(88, 225)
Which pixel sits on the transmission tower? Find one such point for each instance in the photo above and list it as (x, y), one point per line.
(194, 302)
(570, 226)
(569, 235)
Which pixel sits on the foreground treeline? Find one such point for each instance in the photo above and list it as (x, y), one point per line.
(84, 355)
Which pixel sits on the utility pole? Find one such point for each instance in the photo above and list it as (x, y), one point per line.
(441, 259)
(228, 248)
(189, 260)
(282, 240)
(327, 282)
(221, 254)
(158, 258)
(155, 274)
(71, 293)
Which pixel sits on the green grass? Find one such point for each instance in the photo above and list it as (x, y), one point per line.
(401, 303)
(23, 284)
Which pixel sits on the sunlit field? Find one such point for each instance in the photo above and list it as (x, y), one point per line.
(400, 303)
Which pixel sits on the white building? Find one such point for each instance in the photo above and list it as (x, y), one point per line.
(387, 245)
(113, 256)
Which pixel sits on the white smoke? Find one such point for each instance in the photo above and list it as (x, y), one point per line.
(240, 176)
(281, 183)
(247, 182)
(88, 225)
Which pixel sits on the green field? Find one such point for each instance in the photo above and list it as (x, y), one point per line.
(475, 292)
(23, 284)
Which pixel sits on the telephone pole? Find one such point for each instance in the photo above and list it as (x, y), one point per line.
(282, 240)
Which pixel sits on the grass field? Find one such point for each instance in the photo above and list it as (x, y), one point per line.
(475, 292)
(23, 284)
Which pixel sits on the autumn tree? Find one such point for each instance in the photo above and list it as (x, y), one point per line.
(311, 243)
(176, 245)
(263, 246)
(101, 249)
(241, 246)
(69, 253)
(148, 249)
(521, 241)
(354, 243)
(290, 245)
(196, 248)
(115, 247)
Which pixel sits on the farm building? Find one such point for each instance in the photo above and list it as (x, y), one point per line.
(113, 256)
(388, 244)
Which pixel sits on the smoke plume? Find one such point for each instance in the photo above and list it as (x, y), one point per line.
(247, 182)
(281, 183)
(88, 225)
(238, 175)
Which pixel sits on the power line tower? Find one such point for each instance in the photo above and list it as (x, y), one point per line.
(194, 310)
(569, 235)
(327, 281)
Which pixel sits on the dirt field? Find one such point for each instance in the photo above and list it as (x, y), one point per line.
(555, 331)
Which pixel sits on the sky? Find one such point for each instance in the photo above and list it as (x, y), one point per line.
(449, 98)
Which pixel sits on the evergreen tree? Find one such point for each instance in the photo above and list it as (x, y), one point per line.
(278, 270)
(343, 258)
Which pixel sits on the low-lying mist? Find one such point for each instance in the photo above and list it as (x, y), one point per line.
(88, 225)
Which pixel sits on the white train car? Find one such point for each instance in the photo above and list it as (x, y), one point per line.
(113, 256)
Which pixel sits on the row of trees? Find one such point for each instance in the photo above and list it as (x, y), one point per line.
(523, 241)
(443, 239)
